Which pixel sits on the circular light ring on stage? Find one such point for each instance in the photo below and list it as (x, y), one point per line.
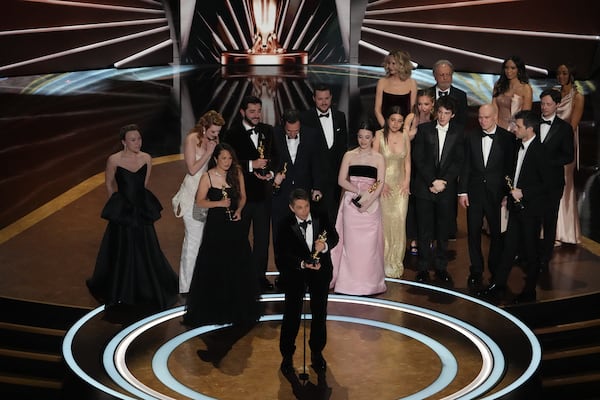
(484, 381)
(491, 371)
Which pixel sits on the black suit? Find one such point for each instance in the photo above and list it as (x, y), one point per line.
(331, 156)
(305, 172)
(523, 229)
(460, 97)
(485, 186)
(258, 192)
(560, 150)
(290, 250)
(433, 209)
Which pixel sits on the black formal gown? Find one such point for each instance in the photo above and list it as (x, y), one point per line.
(131, 268)
(224, 288)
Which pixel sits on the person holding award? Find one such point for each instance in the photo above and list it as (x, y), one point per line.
(223, 288)
(358, 257)
(302, 254)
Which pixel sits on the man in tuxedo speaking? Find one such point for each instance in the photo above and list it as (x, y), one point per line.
(302, 253)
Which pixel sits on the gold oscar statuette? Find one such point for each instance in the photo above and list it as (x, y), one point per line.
(516, 202)
(228, 211)
(314, 257)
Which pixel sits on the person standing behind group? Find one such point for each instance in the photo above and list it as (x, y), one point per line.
(489, 158)
(333, 133)
(557, 137)
(298, 165)
(393, 143)
(358, 258)
(512, 91)
(131, 268)
(396, 88)
(223, 289)
(301, 235)
(443, 72)
(530, 181)
(437, 154)
(570, 110)
(252, 142)
(424, 112)
(198, 147)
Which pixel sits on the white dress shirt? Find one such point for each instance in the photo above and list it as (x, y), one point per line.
(441, 130)
(327, 125)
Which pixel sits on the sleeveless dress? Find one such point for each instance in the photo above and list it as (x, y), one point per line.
(389, 100)
(567, 228)
(394, 209)
(183, 206)
(358, 257)
(508, 106)
(131, 267)
(224, 288)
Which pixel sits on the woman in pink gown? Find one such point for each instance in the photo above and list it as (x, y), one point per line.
(570, 110)
(358, 257)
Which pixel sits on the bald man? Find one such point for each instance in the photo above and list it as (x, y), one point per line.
(489, 158)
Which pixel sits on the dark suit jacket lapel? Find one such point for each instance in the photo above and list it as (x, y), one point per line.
(448, 143)
(552, 131)
(298, 232)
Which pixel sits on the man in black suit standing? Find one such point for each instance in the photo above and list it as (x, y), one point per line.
(437, 156)
(530, 188)
(331, 124)
(252, 141)
(298, 164)
(557, 137)
(489, 158)
(302, 252)
(443, 71)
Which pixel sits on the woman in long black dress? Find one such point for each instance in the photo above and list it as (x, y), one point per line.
(131, 268)
(223, 288)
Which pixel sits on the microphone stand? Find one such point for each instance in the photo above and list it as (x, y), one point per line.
(304, 374)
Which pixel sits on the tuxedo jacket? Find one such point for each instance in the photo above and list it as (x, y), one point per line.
(331, 157)
(560, 151)
(306, 171)
(534, 179)
(425, 149)
(256, 190)
(290, 247)
(461, 103)
(479, 181)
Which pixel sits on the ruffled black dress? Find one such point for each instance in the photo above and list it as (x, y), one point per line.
(224, 288)
(131, 268)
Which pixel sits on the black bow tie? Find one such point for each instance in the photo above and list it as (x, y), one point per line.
(442, 93)
(521, 145)
(546, 122)
(326, 115)
(251, 131)
(292, 138)
(490, 135)
(304, 224)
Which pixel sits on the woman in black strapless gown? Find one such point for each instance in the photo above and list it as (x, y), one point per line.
(131, 268)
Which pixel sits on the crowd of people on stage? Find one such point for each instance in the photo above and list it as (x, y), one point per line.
(342, 218)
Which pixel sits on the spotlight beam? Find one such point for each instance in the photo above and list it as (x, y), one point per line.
(143, 53)
(227, 33)
(84, 26)
(293, 27)
(442, 6)
(237, 26)
(97, 6)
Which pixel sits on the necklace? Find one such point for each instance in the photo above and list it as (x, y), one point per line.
(217, 173)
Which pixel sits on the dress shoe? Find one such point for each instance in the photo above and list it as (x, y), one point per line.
(474, 280)
(318, 362)
(525, 297)
(493, 291)
(422, 276)
(443, 276)
(287, 366)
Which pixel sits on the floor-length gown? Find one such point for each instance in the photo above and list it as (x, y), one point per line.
(131, 268)
(567, 228)
(393, 209)
(358, 257)
(224, 288)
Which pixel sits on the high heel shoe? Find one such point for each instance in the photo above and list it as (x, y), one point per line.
(414, 250)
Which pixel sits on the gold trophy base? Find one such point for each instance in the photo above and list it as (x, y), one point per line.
(241, 58)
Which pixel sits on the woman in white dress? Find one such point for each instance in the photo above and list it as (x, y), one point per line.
(198, 147)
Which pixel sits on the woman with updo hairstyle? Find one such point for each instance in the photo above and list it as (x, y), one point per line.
(396, 88)
(198, 147)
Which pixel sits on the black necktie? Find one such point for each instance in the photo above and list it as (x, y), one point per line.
(490, 135)
(326, 115)
(442, 93)
(304, 224)
(546, 122)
